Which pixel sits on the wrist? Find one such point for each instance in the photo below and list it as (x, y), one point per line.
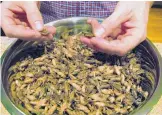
(149, 3)
(142, 11)
(39, 4)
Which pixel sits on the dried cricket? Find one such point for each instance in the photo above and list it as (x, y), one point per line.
(71, 79)
(44, 31)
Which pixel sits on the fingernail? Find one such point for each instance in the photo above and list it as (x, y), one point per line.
(39, 25)
(89, 20)
(99, 32)
(50, 36)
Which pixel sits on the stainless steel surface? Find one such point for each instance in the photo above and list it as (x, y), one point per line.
(19, 48)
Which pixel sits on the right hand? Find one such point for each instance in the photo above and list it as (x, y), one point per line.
(127, 26)
(23, 20)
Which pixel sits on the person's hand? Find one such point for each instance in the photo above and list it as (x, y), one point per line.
(23, 20)
(126, 26)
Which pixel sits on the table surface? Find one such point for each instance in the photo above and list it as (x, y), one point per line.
(154, 28)
(5, 42)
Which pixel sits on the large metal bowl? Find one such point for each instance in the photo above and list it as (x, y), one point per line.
(20, 48)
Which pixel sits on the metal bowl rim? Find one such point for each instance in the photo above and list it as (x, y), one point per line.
(143, 110)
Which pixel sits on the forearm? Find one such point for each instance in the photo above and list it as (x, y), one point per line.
(150, 3)
(148, 7)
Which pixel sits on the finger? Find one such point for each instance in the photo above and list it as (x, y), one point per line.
(14, 7)
(23, 19)
(50, 37)
(129, 24)
(19, 31)
(114, 21)
(116, 32)
(12, 30)
(86, 41)
(118, 47)
(33, 15)
(46, 38)
(109, 38)
(98, 30)
(24, 24)
(50, 32)
(27, 28)
(134, 24)
(18, 22)
(51, 29)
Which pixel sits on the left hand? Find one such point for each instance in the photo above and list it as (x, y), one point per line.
(127, 26)
(23, 20)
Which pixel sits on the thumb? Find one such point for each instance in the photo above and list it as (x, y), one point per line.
(33, 15)
(108, 26)
(96, 27)
(115, 20)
